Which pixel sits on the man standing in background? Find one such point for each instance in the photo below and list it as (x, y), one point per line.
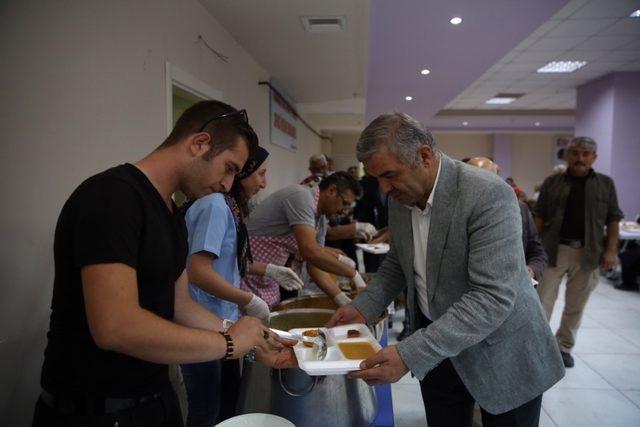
(318, 166)
(572, 212)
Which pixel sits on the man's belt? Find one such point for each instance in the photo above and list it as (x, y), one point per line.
(575, 244)
(92, 405)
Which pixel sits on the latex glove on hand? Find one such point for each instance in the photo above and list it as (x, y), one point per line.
(284, 276)
(359, 281)
(365, 231)
(346, 260)
(341, 299)
(257, 308)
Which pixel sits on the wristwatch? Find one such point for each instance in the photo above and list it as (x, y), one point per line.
(226, 324)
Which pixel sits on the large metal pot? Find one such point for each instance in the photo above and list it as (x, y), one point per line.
(324, 302)
(304, 400)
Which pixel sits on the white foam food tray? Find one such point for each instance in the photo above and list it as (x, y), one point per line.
(335, 363)
(374, 248)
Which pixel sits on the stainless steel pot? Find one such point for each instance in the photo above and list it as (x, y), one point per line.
(304, 400)
(320, 301)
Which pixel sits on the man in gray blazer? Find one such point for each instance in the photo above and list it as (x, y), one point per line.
(479, 333)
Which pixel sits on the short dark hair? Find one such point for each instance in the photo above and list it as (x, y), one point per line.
(224, 132)
(343, 182)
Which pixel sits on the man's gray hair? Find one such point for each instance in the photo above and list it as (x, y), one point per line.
(584, 142)
(317, 157)
(401, 133)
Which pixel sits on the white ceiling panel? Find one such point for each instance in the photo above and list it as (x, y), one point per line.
(627, 26)
(545, 28)
(570, 9)
(622, 56)
(632, 66)
(556, 44)
(589, 55)
(605, 42)
(579, 27)
(533, 57)
(634, 45)
(606, 9)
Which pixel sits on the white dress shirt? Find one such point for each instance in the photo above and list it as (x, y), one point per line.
(420, 220)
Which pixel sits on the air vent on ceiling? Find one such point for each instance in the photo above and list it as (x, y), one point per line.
(323, 24)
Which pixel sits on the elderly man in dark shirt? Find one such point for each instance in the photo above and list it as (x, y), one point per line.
(571, 215)
(534, 253)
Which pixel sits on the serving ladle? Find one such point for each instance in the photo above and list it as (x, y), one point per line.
(319, 342)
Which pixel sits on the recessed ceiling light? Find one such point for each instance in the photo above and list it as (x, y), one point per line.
(635, 14)
(456, 20)
(562, 66)
(408, 98)
(499, 101)
(425, 72)
(465, 123)
(536, 124)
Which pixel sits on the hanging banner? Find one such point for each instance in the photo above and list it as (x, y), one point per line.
(284, 124)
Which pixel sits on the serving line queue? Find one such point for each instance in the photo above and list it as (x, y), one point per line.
(141, 284)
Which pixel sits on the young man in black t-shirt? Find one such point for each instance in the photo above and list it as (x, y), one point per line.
(121, 310)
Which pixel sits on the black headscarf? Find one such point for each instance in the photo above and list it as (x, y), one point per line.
(237, 202)
(253, 163)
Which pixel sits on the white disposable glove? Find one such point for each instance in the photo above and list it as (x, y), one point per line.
(359, 281)
(257, 308)
(346, 260)
(365, 231)
(284, 276)
(341, 299)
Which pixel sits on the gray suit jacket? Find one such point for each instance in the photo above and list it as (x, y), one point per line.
(486, 315)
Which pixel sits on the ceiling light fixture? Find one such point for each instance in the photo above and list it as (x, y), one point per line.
(503, 98)
(536, 124)
(425, 72)
(562, 66)
(499, 101)
(456, 20)
(635, 14)
(465, 123)
(408, 98)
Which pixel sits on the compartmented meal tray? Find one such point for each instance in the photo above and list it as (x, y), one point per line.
(344, 354)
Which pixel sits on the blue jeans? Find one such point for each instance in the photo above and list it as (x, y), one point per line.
(212, 391)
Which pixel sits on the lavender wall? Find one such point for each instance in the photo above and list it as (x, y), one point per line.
(502, 153)
(594, 118)
(625, 156)
(608, 110)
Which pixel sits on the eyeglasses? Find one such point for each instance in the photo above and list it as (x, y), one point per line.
(239, 113)
(346, 203)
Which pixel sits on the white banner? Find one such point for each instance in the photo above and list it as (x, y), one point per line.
(284, 125)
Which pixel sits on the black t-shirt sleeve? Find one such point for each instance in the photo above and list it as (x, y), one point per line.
(109, 224)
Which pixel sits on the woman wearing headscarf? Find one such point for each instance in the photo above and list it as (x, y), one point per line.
(219, 256)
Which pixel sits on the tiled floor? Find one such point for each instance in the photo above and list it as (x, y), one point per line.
(603, 389)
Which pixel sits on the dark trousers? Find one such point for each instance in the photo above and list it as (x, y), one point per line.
(212, 391)
(630, 265)
(447, 401)
(163, 411)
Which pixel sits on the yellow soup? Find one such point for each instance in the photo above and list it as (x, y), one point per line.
(357, 350)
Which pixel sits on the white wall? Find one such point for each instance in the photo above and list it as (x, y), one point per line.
(532, 159)
(84, 89)
(343, 150)
(459, 145)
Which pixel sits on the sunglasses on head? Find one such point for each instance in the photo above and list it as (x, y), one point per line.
(242, 114)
